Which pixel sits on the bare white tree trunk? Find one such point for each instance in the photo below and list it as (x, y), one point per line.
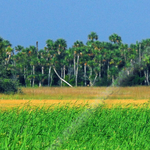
(94, 80)
(128, 72)
(42, 70)
(49, 73)
(85, 73)
(74, 64)
(60, 77)
(64, 71)
(90, 76)
(42, 74)
(69, 73)
(113, 80)
(107, 71)
(30, 79)
(100, 71)
(146, 76)
(39, 83)
(30, 82)
(33, 77)
(51, 79)
(9, 53)
(77, 70)
(25, 76)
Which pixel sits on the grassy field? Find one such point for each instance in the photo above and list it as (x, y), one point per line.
(80, 93)
(103, 128)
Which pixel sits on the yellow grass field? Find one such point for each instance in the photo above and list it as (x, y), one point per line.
(48, 96)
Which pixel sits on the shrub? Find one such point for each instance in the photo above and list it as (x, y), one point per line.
(9, 86)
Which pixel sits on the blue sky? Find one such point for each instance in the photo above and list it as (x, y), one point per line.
(23, 22)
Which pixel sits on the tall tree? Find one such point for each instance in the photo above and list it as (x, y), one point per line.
(115, 38)
(50, 48)
(7, 84)
(93, 36)
(77, 53)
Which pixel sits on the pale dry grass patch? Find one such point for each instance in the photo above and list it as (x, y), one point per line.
(59, 93)
(67, 93)
(139, 92)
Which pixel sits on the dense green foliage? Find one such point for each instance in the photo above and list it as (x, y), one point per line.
(95, 63)
(104, 128)
(8, 82)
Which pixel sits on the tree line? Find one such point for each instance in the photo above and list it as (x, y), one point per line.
(95, 63)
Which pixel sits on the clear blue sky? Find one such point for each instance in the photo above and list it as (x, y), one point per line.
(23, 22)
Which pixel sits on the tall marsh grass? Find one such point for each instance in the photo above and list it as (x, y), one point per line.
(115, 128)
(80, 93)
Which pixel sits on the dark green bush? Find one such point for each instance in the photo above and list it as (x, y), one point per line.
(9, 86)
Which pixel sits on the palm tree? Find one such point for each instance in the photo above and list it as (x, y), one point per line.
(115, 38)
(93, 36)
(61, 45)
(78, 45)
(50, 49)
(7, 85)
(56, 51)
(42, 62)
(33, 53)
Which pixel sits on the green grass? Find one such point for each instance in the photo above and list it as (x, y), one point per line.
(108, 129)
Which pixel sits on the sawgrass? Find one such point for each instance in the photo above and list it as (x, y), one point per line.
(104, 128)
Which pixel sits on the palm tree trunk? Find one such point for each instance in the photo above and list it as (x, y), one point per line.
(77, 70)
(128, 72)
(74, 65)
(51, 79)
(30, 79)
(107, 71)
(33, 77)
(85, 73)
(30, 82)
(60, 77)
(146, 76)
(42, 70)
(39, 83)
(42, 74)
(64, 72)
(100, 71)
(49, 73)
(69, 73)
(140, 59)
(25, 77)
(9, 57)
(90, 76)
(94, 79)
(113, 80)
